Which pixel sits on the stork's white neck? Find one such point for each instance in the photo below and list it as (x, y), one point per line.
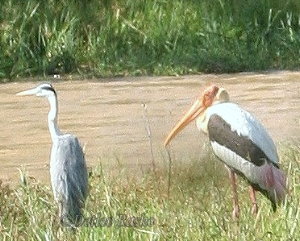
(52, 118)
(202, 122)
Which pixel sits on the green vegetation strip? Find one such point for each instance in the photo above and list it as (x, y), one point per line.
(124, 207)
(143, 37)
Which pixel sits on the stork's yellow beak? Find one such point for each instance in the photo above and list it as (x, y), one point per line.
(199, 106)
(196, 109)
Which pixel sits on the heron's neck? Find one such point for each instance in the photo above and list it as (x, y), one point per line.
(52, 118)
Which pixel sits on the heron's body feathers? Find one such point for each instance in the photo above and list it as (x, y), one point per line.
(69, 176)
(68, 170)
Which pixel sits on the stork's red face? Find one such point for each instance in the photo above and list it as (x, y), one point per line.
(199, 106)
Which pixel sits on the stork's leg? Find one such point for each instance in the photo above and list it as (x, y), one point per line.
(236, 208)
(253, 200)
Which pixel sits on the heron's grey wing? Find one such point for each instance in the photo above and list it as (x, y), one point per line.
(68, 172)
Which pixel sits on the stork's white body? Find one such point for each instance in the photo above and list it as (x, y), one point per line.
(244, 124)
(240, 141)
(267, 176)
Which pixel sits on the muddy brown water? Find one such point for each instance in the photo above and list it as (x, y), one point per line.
(108, 117)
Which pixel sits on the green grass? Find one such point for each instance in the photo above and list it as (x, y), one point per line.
(198, 208)
(141, 37)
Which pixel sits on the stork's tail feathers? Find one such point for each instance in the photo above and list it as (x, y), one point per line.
(275, 184)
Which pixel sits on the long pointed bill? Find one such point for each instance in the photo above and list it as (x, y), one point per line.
(196, 109)
(28, 92)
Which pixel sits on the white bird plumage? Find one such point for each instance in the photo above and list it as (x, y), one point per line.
(245, 125)
(240, 141)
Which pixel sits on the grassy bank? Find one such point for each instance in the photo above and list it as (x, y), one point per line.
(118, 37)
(198, 207)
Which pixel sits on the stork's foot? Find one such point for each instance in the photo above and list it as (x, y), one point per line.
(236, 212)
(254, 209)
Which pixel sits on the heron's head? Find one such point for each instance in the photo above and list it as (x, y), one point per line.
(43, 90)
(210, 96)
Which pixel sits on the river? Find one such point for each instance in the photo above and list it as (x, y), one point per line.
(109, 118)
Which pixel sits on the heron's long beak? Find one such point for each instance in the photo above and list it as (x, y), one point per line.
(28, 92)
(196, 109)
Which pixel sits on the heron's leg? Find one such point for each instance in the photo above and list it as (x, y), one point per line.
(253, 200)
(60, 214)
(236, 208)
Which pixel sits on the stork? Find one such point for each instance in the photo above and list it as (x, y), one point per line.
(240, 141)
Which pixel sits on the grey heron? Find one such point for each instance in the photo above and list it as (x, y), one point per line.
(69, 178)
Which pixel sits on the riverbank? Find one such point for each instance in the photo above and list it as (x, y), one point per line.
(196, 204)
(129, 38)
